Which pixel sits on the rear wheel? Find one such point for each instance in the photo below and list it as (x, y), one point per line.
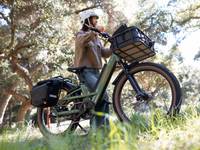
(56, 120)
(161, 86)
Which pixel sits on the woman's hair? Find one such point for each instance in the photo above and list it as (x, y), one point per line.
(84, 27)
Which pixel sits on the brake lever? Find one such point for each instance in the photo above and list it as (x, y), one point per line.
(105, 34)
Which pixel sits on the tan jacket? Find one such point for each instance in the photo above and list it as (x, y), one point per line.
(89, 50)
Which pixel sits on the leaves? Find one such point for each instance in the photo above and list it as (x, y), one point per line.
(39, 34)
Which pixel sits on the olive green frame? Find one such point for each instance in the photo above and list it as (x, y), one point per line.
(104, 79)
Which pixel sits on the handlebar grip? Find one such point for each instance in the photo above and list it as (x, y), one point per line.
(103, 34)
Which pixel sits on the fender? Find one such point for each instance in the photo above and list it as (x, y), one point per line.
(134, 64)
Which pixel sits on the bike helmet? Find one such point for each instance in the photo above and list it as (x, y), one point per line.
(86, 15)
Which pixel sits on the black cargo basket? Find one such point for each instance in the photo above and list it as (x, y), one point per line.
(131, 44)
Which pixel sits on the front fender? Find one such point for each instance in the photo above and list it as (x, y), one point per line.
(122, 72)
(118, 77)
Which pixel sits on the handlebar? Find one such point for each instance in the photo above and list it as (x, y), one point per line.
(103, 34)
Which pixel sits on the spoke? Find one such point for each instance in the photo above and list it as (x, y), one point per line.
(158, 87)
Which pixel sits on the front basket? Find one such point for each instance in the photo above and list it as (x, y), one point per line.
(131, 44)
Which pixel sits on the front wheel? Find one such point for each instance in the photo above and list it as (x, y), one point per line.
(157, 82)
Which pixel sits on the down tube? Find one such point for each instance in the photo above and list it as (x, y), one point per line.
(105, 78)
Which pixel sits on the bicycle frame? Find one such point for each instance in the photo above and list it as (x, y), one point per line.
(103, 81)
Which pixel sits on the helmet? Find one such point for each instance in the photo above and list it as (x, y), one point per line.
(86, 15)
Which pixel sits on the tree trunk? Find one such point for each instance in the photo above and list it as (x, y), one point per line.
(22, 111)
(5, 98)
(3, 105)
(10, 114)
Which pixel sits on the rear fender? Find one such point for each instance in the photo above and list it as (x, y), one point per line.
(68, 85)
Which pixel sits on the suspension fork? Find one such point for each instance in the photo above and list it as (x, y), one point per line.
(140, 93)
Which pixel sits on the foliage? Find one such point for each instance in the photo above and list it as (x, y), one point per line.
(37, 38)
(160, 132)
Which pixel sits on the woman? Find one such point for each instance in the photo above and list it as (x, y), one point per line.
(88, 54)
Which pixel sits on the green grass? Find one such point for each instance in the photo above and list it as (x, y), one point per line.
(158, 132)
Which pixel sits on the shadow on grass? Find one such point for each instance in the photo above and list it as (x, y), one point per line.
(19, 140)
(23, 144)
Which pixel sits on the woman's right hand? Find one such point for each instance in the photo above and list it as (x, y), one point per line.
(101, 28)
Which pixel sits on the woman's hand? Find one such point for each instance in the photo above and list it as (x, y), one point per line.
(100, 28)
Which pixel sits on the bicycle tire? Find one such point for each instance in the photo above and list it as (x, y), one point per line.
(44, 130)
(157, 68)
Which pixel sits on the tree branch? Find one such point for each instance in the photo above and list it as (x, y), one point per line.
(147, 18)
(22, 72)
(16, 50)
(87, 8)
(186, 20)
(18, 96)
(5, 18)
(34, 69)
(20, 47)
(12, 27)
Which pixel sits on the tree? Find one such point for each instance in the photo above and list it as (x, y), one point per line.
(37, 41)
(31, 31)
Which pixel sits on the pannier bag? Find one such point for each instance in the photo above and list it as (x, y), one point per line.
(131, 44)
(46, 93)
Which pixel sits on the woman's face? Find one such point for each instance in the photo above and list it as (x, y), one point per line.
(94, 21)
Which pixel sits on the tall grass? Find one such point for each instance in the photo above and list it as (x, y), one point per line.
(158, 132)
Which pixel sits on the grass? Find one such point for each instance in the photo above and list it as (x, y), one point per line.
(159, 132)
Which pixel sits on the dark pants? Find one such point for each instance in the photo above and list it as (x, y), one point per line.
(90, 77)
